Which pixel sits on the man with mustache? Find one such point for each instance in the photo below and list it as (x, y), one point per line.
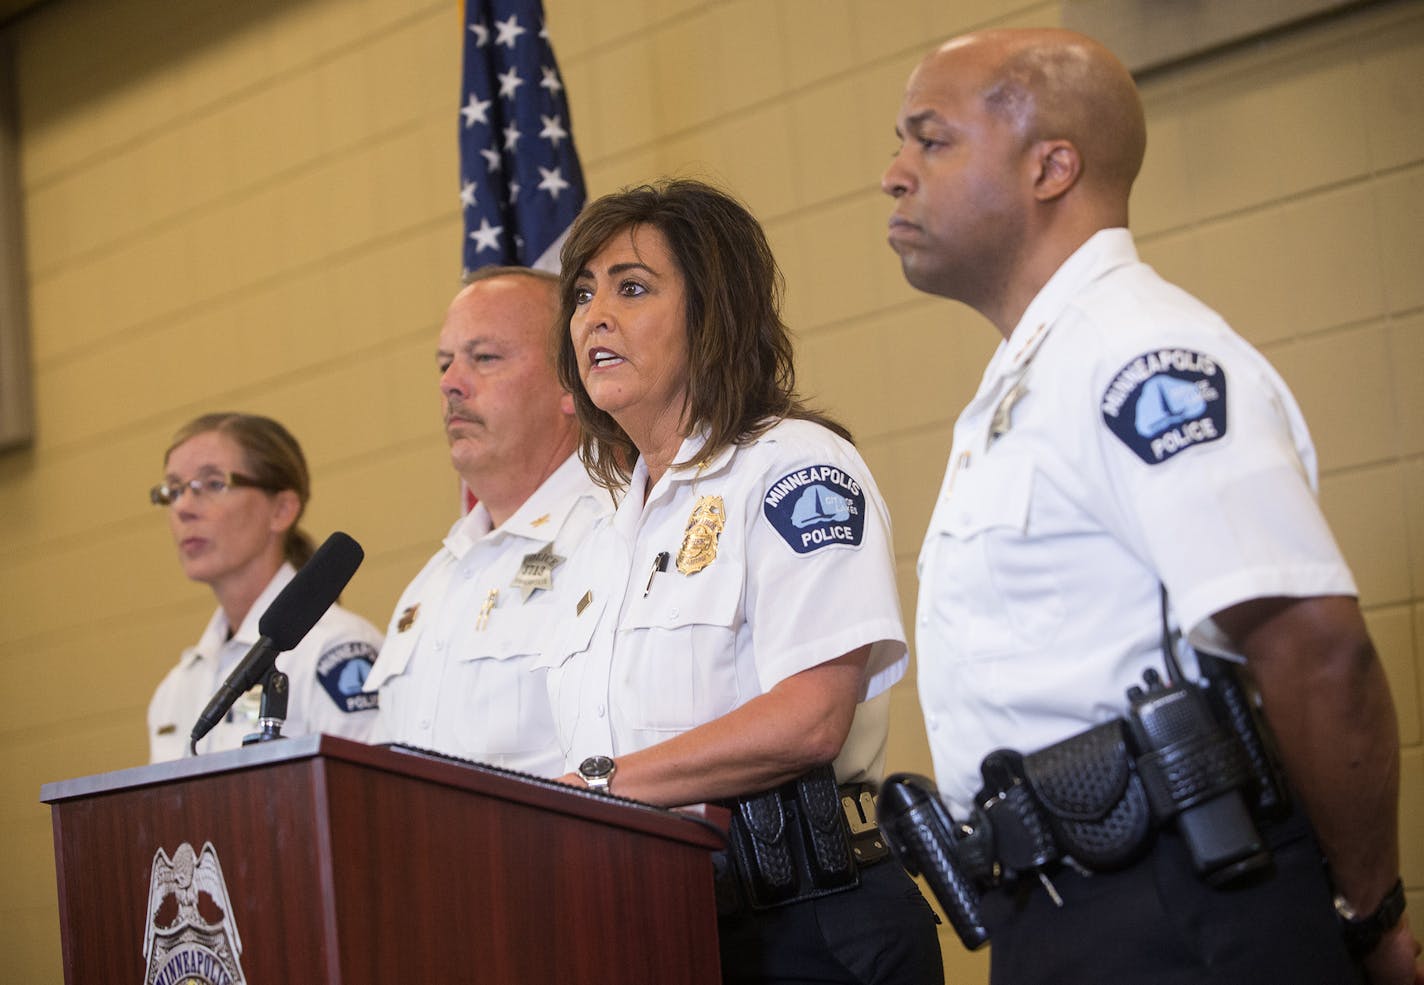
(457, 671)
(1129, 469)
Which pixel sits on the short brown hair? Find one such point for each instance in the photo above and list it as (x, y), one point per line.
(742, 375)
(271, 456)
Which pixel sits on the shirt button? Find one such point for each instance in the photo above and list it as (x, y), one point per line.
(933, 723)
(672, 613)
(601, 711)
(439, 646)
(425, 725)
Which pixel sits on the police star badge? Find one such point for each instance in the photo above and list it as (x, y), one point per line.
(699, 540)
(537, 571)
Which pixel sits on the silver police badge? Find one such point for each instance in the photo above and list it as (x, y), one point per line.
(537, 571)
(191, 935)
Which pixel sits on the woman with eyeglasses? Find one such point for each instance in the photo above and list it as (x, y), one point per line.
(235, 487)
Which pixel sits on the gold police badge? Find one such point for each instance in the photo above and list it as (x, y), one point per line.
(699, 540)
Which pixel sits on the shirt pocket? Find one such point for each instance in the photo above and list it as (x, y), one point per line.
(995, 584)
(495, 692)
(393, 662)
(569, 628)
(682, 656)
(565, 660)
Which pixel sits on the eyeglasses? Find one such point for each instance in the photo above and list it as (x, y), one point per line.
(168, 493)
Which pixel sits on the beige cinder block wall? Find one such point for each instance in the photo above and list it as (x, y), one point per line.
(253, 206)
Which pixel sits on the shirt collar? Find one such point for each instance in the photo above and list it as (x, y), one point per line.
(539, 518)
(1104, 251)
(695, 467)
(215, 636)
(630, 508)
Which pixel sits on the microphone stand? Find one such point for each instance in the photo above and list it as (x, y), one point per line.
(273, 710)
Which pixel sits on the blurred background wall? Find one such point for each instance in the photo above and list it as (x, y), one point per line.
(254, 206)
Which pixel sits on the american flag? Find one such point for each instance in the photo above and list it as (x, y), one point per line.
(520, 180)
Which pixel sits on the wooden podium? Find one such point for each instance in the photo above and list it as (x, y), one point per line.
(346, 864)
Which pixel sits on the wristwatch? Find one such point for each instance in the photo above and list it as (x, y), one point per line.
(1362, 933)
(597, 772)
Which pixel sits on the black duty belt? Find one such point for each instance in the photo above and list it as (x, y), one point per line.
(1191, 756)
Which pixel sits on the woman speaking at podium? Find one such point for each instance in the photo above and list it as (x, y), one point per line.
(234, 488)
(723, 626)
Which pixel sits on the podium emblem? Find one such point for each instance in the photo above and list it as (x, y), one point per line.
(191, 935)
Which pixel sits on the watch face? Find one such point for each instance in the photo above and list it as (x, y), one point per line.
(596, 766)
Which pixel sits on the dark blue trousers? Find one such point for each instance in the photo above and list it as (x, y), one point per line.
(1157, 923)
(882, 932)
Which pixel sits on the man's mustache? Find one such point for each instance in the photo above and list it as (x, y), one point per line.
(456, 411)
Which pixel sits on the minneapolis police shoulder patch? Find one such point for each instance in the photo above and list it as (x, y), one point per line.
(342, 671)
(818, 506)
(1166, 401)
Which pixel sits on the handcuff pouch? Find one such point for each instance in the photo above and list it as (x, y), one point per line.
(1094, 800)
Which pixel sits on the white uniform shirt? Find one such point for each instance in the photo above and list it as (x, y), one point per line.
(1122, 437)
(457, 673)
(325, 671)
(801, 572)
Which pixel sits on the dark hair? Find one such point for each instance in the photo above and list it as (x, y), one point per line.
(271, 456)
(742, 377)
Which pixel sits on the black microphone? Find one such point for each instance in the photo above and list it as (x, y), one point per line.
(291, 616)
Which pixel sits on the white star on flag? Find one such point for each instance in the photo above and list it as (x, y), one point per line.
(491, 157)
(553, 181)
(481, 33)
(508, 31)
(467, 195)
(509, 82)
(511, 136)
(475, 111)
(486, 237)
(550, 80)
(553, 130)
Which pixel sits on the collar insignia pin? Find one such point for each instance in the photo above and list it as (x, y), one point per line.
(491, 598)
(1003, 420)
